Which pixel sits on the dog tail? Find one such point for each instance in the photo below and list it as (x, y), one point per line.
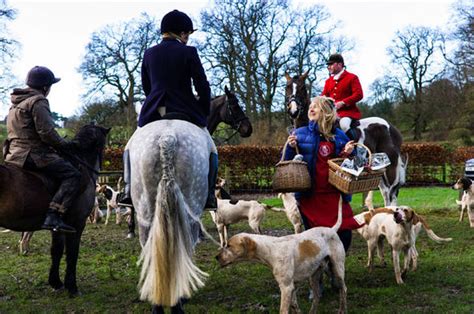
(339, 215)
(431, 233)
(275, 209)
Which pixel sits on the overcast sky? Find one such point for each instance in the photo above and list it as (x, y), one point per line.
(54, 33)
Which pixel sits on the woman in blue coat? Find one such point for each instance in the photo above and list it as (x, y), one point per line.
(168, 70)
(318, 142)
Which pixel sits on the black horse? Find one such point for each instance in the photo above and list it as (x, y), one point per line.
(24, 199)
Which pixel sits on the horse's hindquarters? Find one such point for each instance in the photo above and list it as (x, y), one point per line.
(24, 199)
(169, 170)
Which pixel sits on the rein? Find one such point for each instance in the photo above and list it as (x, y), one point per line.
(81, 162)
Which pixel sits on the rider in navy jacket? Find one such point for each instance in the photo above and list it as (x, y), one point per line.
(308, 143)
(167, 71)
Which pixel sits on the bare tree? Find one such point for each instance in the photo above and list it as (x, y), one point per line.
(312, 41)
(416, 56)
(8, 48)
(112, 62)
(462, 37)
(250, 44)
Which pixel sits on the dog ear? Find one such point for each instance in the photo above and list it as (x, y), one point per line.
(416, 219)
(412, 216)
(250, 247)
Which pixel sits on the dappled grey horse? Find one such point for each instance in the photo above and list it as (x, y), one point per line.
(169, 176)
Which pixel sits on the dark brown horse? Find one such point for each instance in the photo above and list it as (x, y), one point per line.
(25, 196)
(226, 108)
(297, 99)
(374, 132)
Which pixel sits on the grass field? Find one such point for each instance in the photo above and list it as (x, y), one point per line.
(108, 274)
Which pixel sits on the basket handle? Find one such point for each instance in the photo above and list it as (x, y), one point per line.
(366, 148)
(284, 150)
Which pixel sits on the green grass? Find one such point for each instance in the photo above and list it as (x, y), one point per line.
(108, 275)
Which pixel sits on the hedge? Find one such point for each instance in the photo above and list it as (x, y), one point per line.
(250, 167)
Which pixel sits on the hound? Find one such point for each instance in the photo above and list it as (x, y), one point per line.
(111, 196)
(400, 225)
(228, 213)
(467, 199)
(294, 258)
(291, 210)
(95, 215)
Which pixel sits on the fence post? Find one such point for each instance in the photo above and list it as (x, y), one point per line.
(444, 173)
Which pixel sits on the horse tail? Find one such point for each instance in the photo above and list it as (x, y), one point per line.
(168, 271)
(403, 170)
(397, 140)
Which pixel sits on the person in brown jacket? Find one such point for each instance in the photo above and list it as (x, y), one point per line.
(33, 144)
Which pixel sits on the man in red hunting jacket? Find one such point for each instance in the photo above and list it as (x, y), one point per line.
(344, 87)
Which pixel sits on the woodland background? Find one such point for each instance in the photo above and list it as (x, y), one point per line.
(427, 91)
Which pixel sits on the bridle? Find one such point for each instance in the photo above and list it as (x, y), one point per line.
(233, 117)
(297, 99)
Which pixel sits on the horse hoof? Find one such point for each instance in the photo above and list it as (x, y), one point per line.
(130, 235)
(57, 286)
(74, 294)
(58, 290)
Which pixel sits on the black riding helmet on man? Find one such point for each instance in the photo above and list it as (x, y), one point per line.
(34, 144)
(168, 70)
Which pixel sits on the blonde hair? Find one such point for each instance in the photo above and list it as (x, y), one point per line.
(327, 116)
(171, 35)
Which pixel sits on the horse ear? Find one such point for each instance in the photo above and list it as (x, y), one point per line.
(287, 76)
(107, 130)
(226, 90)
(305, 75)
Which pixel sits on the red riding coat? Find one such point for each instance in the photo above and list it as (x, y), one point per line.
(346, 88)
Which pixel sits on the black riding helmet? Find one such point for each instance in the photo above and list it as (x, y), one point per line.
(39, 77)
(176, 22)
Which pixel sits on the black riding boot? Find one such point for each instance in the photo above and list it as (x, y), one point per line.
(54, 221)
(126, 198)
(352, 134)
(211, 202)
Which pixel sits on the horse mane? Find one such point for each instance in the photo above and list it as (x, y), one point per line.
(88, 138)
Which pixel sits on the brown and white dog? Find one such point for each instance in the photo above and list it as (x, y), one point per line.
(228, 213)
(400, 225)
(291, 210)
(294, 258)
(467, 199)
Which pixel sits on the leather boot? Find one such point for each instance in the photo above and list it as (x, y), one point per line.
(55, 223)
(353, 134)
(211, 202)
(125, 198)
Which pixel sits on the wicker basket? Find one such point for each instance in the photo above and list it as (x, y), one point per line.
(291, 175)
(348, 183)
